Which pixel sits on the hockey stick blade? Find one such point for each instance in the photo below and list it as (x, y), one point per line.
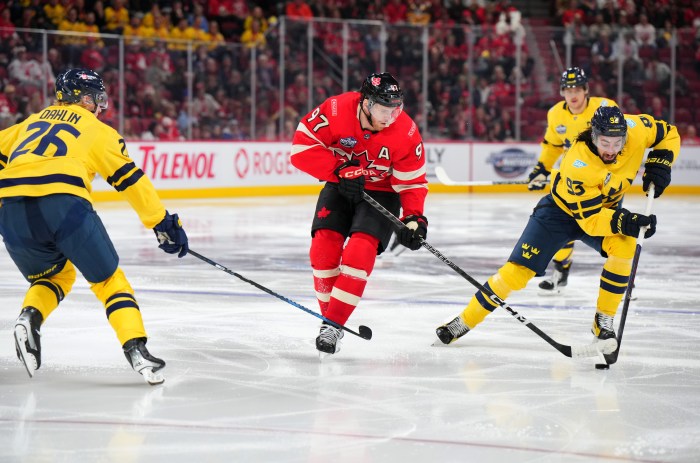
(606, 346)
(445, 179)
(364, 331)
(612, 358)
(562, 348)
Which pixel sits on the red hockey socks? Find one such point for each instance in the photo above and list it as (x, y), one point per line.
(326, 249)
(357, 264)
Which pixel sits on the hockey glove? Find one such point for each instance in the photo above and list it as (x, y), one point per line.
(657, 170)
(171, 235)
(537, 178)
(351, 181)
(629, 223)
(416, 229)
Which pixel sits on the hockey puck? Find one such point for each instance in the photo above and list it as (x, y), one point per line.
(602, 366)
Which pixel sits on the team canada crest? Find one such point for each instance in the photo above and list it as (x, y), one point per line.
(376, 81)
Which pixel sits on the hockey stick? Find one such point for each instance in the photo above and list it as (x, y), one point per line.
(364, 331)
(612, 358)
(445, 179)
(587, 350)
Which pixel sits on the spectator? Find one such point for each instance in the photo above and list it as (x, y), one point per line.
(183, 35)
(100, 18)
(8, 106)
(254, 37)
(395, 11)
(116, 17)
(644, 32)
(657, 110)
(92, 58)
(91, 26)
(204, 105)
(691, 136)
(603, 56)
(170, 131)
(7, 28)
(598, 27)
(299, 9)
(55, 12)
(256, 13)
(214, 36)
(25, 70)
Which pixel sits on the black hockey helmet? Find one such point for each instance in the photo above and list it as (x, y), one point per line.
(573, 77)
(608, 121)
(73, 84)
(383, 89)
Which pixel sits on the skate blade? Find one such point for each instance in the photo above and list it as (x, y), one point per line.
(27, 359)
(151, 377)
(439, 343)
(550, 293)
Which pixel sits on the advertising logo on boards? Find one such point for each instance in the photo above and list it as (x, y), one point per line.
(512, 162)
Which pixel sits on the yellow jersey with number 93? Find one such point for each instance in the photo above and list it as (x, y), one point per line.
(60, 150)
(590, 190)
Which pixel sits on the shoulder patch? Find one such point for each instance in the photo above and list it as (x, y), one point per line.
(578, 163)
(630, 123)
(607, 178)
(560, 129)
(348, 142)
(604, 102)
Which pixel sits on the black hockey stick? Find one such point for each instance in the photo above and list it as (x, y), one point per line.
(612, 358)
(364, 331)
(587, 350)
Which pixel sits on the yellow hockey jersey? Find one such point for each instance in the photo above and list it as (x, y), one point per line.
(61, 148)
(589, 190)
(563, 128)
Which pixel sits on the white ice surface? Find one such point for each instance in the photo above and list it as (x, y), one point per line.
(243, 378)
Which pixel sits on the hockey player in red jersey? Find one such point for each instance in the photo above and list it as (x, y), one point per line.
(359, 142)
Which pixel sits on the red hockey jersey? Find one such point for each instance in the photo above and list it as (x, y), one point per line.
(393, 158)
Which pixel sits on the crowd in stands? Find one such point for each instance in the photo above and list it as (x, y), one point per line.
(640, 34)
(466, 98)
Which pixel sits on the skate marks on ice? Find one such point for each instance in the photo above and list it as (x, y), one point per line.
(243, 380)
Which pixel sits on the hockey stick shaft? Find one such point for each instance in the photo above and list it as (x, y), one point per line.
(569, 351)
(612, 358)
(364, 331)
(445, 179)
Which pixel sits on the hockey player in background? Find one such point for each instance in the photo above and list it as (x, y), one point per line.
(357, 142)
(565, 120)
(584, 205)
(47, 164)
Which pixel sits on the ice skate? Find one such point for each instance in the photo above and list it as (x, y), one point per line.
(604, 331)
(328, 340)
(557, 283)
(450, 332)
(28, 339)
(143, 362)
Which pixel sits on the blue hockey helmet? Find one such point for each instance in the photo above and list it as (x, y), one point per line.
(573, 77)
(75, 83)
(608, 121)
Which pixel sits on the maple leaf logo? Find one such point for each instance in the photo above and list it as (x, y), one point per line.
(323, 213)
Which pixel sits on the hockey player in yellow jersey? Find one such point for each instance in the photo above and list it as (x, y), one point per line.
(585, 204)
(565, 120)
(47, 164)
